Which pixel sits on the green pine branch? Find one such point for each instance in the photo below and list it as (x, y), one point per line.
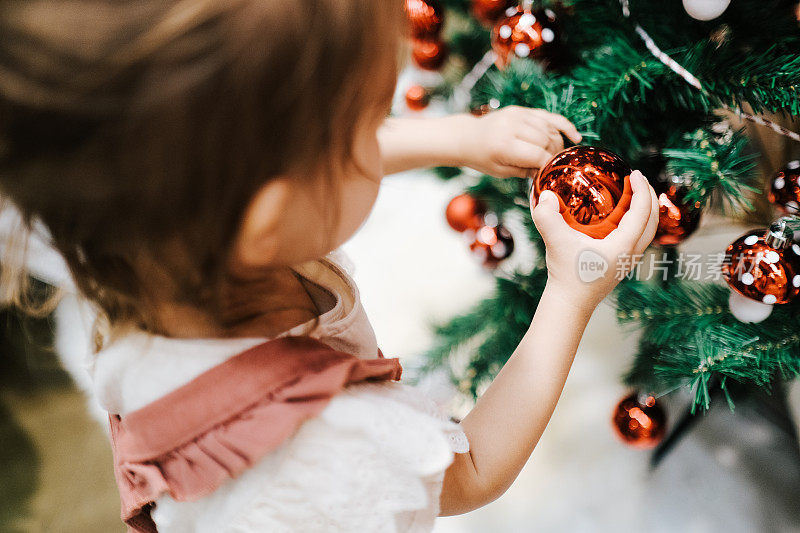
(490, 332)
(690, 339)
(712, 164)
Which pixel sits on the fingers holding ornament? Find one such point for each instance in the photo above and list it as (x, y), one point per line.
(636, 228)
(560, 123)
(593, 187)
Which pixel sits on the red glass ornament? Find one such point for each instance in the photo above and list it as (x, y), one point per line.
(480, 110)
(676, 218)
(490, 11)
(429, 54)
(764, 266)
(492, 245)
(417, 98)
(425, 18)
(640, 421)
(784, 190)
(465, 212)
(525, 33)
(593, 187)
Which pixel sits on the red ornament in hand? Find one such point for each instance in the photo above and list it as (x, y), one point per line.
(465, 212)
(784, 189)
(490, 11)
(676, 218)
(417, 98)
(593, 187)
(425, 18)
(640, 421)
(429, 54)
(764, 265)
(525, 33)
(492, 245)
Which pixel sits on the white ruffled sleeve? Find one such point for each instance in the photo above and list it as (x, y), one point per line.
(373, 461)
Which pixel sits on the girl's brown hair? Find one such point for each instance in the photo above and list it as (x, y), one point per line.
(138, 131)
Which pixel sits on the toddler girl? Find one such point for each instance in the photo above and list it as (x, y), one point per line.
(196, 162)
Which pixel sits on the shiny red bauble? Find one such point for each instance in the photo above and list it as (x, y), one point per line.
(480, 110)
(425, 18)
(465, 212)
(526, 34)
(677, 219)
(488, 12)
(492, 244)
(428, 54)
(784, 189)
(639, 420)
(758, 268)
(593, 187)
(417, 97)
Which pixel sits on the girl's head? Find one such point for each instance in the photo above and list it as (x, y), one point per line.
(170, 146)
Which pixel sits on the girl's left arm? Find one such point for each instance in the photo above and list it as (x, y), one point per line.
(505, 143)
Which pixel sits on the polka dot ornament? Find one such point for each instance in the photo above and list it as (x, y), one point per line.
(525, 33)
(763, 272)
(784, 190)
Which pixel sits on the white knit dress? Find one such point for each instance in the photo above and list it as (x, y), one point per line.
(373, 460)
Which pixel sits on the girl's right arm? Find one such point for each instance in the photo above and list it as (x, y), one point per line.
(509, 418)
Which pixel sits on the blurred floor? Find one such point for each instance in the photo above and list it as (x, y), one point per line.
(54, 458)
(66, 455)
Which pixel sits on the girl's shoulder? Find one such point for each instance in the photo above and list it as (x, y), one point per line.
(138, 368)
(373, 460)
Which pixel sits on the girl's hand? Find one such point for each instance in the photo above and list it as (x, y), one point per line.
(513, 141)
(510, 417)
(587, 269)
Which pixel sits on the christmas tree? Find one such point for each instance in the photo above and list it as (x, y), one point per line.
(666, 86)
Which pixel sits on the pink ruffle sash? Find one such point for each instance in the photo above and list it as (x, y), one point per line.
(187, 443)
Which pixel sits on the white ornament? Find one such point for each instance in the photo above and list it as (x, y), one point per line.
(746, 309)
(527, 20)
(705, 9)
